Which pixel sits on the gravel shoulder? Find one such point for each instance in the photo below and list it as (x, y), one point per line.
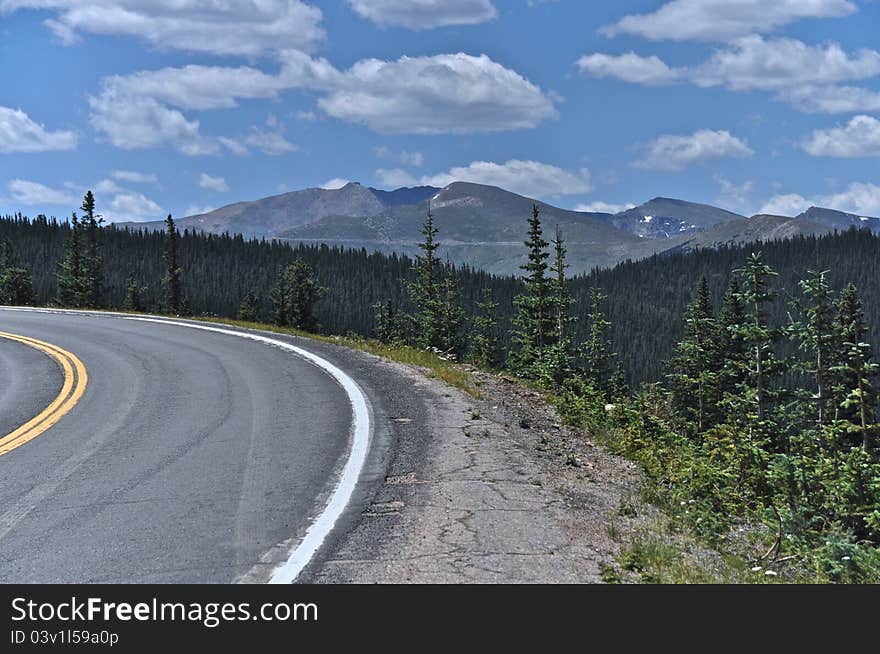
(494, 490)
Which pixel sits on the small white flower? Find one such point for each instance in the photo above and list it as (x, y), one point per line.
(846, 558)
(757, 568)
(770, 573)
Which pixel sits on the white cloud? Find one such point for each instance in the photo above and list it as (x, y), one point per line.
(404, 157)
(231, 27)
(529, 178)
(860, 198)
(671, 152)
(135, 177)
(755, 63)
(133, 206)
(858, 138)
(628, 67)
(811, 78)
(335, 183)
(424, 14)
(18, 133)
(455, 93)
(721, 20)
(217, 184)
(35, 194)
(603, 207)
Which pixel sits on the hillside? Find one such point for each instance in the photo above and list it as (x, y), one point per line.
(761, 227)
(666, 218)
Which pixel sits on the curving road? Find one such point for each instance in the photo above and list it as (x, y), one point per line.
(193, 456)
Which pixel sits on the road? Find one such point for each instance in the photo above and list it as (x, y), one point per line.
(192, 456)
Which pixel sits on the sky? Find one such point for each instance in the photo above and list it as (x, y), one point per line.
(181, 106)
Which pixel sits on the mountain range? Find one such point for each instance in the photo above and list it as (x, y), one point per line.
(484, 226)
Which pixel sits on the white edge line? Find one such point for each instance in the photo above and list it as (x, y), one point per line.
(318, 531)
(299, 558)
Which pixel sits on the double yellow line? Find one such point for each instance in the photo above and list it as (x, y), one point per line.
(75, 381)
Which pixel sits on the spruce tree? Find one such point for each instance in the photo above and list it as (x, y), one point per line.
(695, 364)
(597, 352)
(485, 349)
(16, 287)
(388, 328)
(248, 310)
(533, 324)
(815, 335)
(295, 295)
(425, 290)
(133, 295)
(93, 279)
(732, 349)
(171, 284)
(561, 353)
(71, 289)
(451, 318)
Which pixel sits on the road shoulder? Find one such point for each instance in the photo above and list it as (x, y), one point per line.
(486, 491)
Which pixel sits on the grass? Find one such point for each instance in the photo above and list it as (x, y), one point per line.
(434, 366)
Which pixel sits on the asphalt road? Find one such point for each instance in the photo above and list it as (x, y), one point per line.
(193, 456)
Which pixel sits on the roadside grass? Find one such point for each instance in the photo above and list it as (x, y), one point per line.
(435, 367)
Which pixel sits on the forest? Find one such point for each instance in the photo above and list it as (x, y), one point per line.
(742, 379)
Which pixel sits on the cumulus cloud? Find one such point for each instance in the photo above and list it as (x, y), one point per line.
(721, 20)
(133, 206)
(35, 194)
(529, 178)
(217, 184)
(811, 78)
(603, 207)
(18, 133)
(671, 152)
(455, 93)
(135, 177)
(232, 27)
(860, 137)
(860, 198)
(424, 14)
(628, 67)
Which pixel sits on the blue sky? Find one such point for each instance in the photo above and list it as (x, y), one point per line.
(185, 105)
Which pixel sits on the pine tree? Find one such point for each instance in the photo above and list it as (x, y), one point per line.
(388, 328)
(295, 295)
(560, 354)
(452, 323)
(174, 301)
(533, 324)
(757, 333)
(695, 365)
(732, 349)
(93, 280)
(16, 287)
(597, 352)
(815, 334)
(248, 310)
(485, 344)
(425, 290)
(133, 295)
(71, 290)
(857, 369)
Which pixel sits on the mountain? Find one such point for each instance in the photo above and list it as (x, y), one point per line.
(839, 220)
(483, 226)
(663, 218)
(269, 216)
(762, 227)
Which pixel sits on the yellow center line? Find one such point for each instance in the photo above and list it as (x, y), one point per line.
(75, 380)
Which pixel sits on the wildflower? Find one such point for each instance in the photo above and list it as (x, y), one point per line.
(770, 573)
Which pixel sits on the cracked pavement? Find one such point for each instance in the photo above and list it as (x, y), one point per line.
(469, 496)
